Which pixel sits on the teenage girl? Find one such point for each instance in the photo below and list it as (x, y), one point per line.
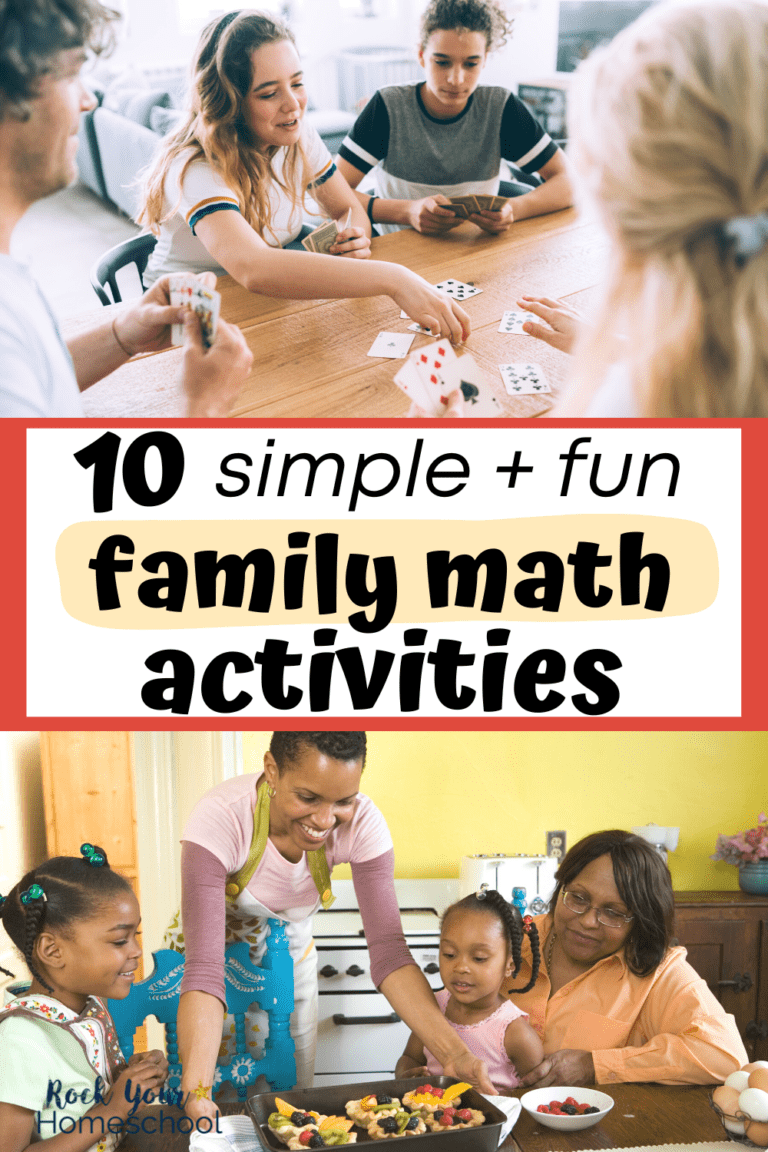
(446, 136)
(75, 922)
(226, 191)
(668, 133)
(480, 943)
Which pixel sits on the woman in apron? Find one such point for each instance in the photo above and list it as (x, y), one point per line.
(265, 845)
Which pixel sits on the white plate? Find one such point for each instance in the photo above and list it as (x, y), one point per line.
(531, 1101)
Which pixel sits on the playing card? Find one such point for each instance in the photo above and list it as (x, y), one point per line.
(461, 205)
(437, 366)
(523, 379)
(322, 239)
(418, 328)
(187, 290)
(513, 321)
(407, 380)
(490, 203)
(457, 289)
(391, 344)
(479, 400)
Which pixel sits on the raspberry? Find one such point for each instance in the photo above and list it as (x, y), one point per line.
(543, 1108)
(305, 1137)
(555, 1103)
(438, 1092)
(581, 1108)
(446, 1119)
(465, 1114)
(570, 1100)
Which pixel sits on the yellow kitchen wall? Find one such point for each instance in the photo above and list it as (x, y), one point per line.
(450, 794)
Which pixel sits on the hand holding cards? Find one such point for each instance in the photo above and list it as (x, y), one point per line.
(432, 374)
(324, 237)
(189, 292)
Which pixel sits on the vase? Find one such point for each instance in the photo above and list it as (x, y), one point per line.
(754, 878)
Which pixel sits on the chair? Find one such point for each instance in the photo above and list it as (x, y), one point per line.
(136, 251)
(269, 985)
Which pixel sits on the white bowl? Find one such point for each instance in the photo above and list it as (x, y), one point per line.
(531, 1101)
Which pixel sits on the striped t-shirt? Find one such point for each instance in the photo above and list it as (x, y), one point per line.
(415, 154)
(204, 191)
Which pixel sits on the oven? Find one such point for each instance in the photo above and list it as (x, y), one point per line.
(359, 1037)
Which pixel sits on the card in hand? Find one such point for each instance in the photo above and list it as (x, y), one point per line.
(490, 203)
(322, 239)
(408, 381)
(418, 328)
(462, 206)
(457, 289)
(393, 345)
(513, 321)
(187, 291)
(523, 379)
(479, 400)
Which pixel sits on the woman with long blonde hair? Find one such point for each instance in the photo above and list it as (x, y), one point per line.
(669, 135)
(226, 192)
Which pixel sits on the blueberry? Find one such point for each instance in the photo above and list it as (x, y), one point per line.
(412, 1123)
(438, 1115)
(297, 1118)
(316, 1141)
(406, 1108)
(388, 1124)
(383, 1099)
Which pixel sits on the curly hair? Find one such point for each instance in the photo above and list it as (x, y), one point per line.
(34, 32)
(286, 747)
(644, 884)
(485, 16)
(214, 126)
(74, 890)
(511, 922)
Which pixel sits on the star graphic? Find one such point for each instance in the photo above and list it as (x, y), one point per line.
(201, 1092)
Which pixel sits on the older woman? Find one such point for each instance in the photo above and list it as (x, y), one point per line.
(613, 1000)
(264, 845)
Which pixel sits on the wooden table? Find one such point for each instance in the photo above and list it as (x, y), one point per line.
(310, 355)
(642, 1114)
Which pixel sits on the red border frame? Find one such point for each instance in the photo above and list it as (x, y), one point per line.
(754, 526)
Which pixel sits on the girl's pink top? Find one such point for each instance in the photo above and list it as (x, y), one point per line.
(486, 1040)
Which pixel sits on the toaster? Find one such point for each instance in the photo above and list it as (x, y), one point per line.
(525, 881)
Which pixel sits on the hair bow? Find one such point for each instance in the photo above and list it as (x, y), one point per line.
(34, 892)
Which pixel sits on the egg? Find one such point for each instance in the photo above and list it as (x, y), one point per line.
(758, 1134)
(754, 1065)
(735, 1126)
(755, 1104)
(737, 1080)
(726, 1099)
(759, 1079)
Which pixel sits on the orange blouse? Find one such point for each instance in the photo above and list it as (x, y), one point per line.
(667, 1027)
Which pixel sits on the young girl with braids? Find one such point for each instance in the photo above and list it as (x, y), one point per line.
(480, 942)
(75, 922)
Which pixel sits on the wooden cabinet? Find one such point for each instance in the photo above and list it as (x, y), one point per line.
(726, 934)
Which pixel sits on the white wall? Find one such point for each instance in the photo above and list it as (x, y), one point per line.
(153, 36)
(22, 824)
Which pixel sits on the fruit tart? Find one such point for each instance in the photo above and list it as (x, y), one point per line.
(426, 1099)
(288, 1122)
(333, 1130)
(443, 1119)
(401, 1124)
(371, 1108)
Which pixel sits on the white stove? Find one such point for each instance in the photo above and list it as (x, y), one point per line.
(359, 1037)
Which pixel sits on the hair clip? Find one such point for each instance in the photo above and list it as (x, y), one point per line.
(2, 900)
(527, 923)
(91, 856)
(482, 892)
(34, 892)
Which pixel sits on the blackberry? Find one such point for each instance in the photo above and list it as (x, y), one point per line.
(569, 1109)
(587, 1111)
(388, 1124)
(412, 1123)
(316, 1141)
(406, 1108)
(298, 1118)
(438, 1115)
(383, 1099)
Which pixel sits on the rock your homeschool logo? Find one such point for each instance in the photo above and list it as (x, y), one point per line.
(60, 1102)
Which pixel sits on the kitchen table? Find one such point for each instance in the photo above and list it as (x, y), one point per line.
(310, 356)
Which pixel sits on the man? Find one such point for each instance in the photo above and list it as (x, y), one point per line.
(42, 49)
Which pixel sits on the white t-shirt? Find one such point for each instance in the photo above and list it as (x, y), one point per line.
(37, 377)
(204, 191)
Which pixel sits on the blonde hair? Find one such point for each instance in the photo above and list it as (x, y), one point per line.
(669, 128)
(214, 127)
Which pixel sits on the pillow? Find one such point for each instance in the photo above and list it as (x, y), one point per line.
(163, 120)
(136, 103)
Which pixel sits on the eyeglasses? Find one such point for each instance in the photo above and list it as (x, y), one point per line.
(605, 916)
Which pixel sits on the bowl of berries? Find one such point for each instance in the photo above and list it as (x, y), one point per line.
(567, 1109)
